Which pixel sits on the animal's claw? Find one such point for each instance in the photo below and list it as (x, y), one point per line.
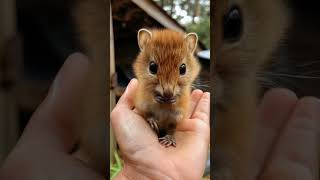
(167, 140)
(153, 124)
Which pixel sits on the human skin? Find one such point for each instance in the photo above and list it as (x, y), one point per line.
(287, 146)
(43, 150)
(287, 140)
(143, 155)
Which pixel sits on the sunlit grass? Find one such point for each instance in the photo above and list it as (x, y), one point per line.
(116, 167)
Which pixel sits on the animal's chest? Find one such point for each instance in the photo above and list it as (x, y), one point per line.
(165, 114)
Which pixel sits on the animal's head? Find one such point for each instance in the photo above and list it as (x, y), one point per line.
(165, 65)
(245, 33)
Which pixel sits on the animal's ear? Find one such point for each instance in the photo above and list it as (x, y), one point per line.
(192, 40)
(144, 36)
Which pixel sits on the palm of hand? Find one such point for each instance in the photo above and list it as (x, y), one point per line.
(145, 157)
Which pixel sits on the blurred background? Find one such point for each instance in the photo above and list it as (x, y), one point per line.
(128, 16)
(194, 15)
(35, 39)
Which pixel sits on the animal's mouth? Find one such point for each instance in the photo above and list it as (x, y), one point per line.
(164, 100)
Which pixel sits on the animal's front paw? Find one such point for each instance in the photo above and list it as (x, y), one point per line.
(167, 140)
(153, 124)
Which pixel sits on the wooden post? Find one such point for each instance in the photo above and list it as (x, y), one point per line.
(112, 93)
(8, 106)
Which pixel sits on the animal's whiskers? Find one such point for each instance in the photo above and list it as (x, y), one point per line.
(291, 75)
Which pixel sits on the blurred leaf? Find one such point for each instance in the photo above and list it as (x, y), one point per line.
(116, 167)
(202, 28)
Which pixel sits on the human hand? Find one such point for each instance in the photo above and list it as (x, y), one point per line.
(288, 137)
(43, 151)
(145, 158)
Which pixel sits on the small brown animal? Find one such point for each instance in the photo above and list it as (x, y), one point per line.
(165, 69)
(246, 34)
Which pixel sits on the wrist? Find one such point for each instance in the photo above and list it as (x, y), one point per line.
(128, 174)
(132, 173)
(121, 176)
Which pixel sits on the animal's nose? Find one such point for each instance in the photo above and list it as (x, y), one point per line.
(167, 94)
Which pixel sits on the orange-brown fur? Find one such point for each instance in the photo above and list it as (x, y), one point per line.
(169, 49)
(235, 81)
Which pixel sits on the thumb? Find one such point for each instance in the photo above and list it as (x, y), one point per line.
(53, 123)
(126, 100)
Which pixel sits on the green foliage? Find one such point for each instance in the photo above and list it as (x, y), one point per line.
(202, 28)
(186, 12)
(116, 167)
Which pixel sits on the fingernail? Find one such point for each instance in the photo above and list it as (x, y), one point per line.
(197, 91)
(277, 93)
(308, 107)
(132, 81)
(206, 95)
(75, 65)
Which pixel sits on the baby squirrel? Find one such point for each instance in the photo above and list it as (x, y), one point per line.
(165, 69)
(245, 35)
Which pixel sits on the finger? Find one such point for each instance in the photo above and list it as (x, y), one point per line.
(296, 154)
(127, 99)
(53, 124)
(195, 97)
(128, 126)
(275, 108)
(185, 124)
(131, 130)
(202, 110)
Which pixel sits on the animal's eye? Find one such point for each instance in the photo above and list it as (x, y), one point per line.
(232, 24)
(153, 67)
(182, 69)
